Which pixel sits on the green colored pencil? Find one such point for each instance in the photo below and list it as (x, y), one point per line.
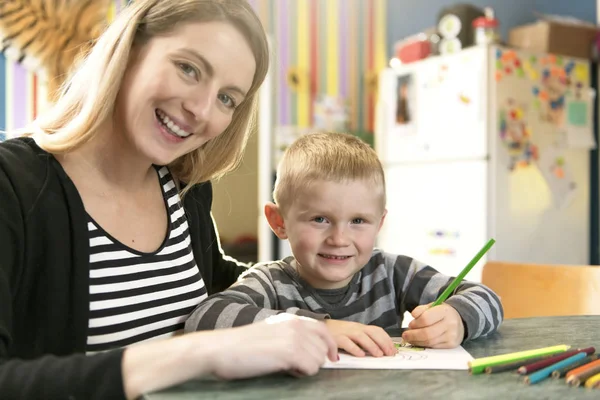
(463, 273)
(479, 365)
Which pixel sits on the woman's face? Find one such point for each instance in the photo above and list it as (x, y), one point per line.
(181, 90)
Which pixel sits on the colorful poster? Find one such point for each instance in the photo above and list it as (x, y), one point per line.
(555, 169)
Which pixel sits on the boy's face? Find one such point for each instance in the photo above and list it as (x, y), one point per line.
(332, 229)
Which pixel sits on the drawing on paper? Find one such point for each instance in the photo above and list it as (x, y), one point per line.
(402, 346)
(407, 357)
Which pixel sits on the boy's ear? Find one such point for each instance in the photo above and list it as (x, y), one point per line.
(382, 219)
(275, 220)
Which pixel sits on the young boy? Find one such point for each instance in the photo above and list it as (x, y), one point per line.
(330, 204)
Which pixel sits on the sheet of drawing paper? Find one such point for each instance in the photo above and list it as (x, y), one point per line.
(408, 358)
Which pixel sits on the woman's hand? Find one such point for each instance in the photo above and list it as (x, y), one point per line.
(284, 342)
(359, 339)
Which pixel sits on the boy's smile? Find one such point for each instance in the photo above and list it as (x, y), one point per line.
(332, 227)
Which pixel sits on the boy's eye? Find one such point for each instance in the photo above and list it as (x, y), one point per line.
(319, 219)
(358, 221)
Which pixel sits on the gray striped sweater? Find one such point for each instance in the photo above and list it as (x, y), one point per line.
(378, 294)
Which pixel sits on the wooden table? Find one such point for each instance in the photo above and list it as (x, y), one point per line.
(513, 335)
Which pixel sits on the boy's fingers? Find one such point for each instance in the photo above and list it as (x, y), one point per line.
(425, 336)
(427, 317)
(383, 340)
(416, 313)
(368, 345)
(350, 347)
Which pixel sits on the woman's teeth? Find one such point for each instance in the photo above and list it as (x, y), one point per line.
(170, 125)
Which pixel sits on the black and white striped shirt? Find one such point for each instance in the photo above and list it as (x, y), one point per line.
(379, 294)
(137, 296)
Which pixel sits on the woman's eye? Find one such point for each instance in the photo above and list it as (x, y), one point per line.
(189, 70)
(227, 101)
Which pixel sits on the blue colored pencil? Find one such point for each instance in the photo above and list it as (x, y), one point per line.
(546, 372)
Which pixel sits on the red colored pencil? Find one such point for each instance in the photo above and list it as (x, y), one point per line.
(532, 367)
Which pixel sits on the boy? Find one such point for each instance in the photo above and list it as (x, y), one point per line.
(330, 204)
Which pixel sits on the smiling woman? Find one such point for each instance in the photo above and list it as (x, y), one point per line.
(101, 253)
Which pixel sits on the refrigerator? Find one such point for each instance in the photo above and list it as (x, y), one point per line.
(489, 142)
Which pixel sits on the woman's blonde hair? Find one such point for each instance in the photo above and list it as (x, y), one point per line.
(326, 156)
(88, 97)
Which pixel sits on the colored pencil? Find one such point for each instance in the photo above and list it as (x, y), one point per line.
(581, 369)
(593, 382)
(563, 371)
(544, 373)
(536, 366)
(463, 273)
(478, 365)
(513, 365)
(578, 379)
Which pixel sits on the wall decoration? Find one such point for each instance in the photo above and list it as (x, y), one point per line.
(46, 36)
(331, 114)
(555, 169)
(516, 134)
(33, 63)
(578, 120)
(339, 46)
(404, 97)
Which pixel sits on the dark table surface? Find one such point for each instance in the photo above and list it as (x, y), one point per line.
(513, 335)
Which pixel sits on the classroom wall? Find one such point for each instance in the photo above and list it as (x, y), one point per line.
(235, 197)
(582, 9)
(407, 17)
(332, 47)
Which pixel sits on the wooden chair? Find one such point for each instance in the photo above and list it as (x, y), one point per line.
(535, 290)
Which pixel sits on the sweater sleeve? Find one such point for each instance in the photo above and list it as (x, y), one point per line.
(75, 376)
(417, 284)
(253, 298)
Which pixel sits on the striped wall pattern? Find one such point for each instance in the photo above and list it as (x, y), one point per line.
(332, 47)
(22, 96)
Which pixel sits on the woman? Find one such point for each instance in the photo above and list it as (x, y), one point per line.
(100, 256)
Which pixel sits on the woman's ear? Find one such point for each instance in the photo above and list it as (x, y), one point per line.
(275, 220)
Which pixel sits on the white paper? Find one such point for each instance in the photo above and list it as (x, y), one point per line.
(407, 358)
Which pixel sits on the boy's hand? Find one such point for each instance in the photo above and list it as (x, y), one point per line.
(359, 339)
(438, 327)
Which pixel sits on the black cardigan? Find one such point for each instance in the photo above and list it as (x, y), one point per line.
(44, 279)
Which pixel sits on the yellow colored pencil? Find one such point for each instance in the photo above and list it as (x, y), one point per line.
(593, 382)
(478, 365)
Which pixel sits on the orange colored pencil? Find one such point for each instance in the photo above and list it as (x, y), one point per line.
(581, 374)
(582, 368)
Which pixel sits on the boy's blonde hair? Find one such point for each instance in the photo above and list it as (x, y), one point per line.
(326, 156)
(87, 99)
